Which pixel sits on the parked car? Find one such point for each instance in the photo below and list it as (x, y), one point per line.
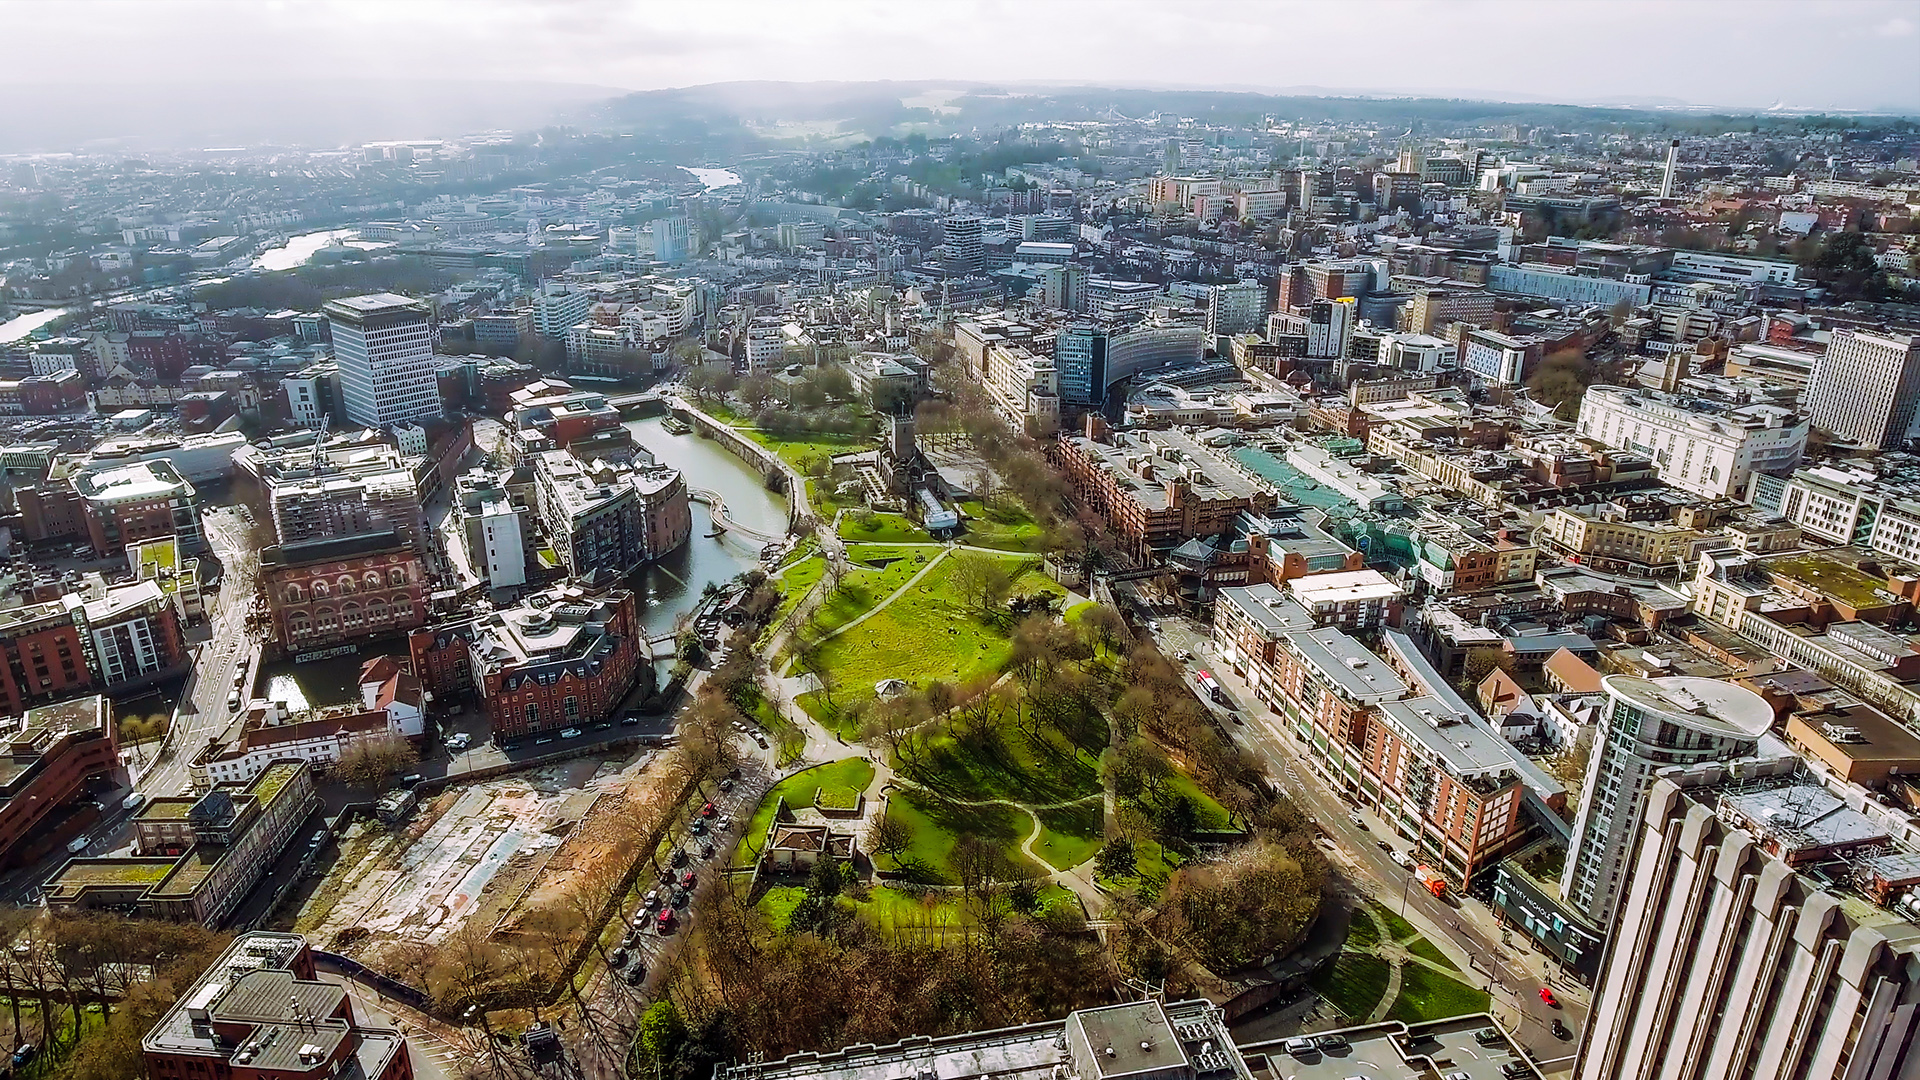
(77, 845)
(707, 810)
(1331, 1043)
(24, 1054)
(1546, 995)
(653, 899)
(1488, 1036)
(1514, 1070)
(629, 720)
(635, 975)
(699, 827)
(617, 958)
(570, 733)
(1301, 1047)
(725, 823)
(133, 801)
(1358, 821)
(679, 857)
(686, 880)
(1402, 858)
(706, 850)
(726, 785)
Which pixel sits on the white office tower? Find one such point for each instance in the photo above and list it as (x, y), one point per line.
(558, 307)
(384, 349)
(671, 239)
(1648, 725)
(1238, 308)
(966, 250)
(1767, 932)
(1330, 328)
(1866, 387)
(766, 345)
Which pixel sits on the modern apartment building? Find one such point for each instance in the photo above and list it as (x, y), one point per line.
(1237, 308)
(1866, 388)
(1648, 725)
(610, 516)
(1846, 504)
(48, 762)
(1740, 954)
(562, 657)
(261, 1012)
(146, 500)
(766, 345)
(1699, 446)
(558, 306)
(383, 345)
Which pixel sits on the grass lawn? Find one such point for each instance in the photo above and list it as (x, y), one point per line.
(1006, 528)
(1070, 835)
(778, 903)
(925, 634)
(936, 826)
(1428, 995)
(1363, 934)
(1208, 813)
(798, 790)
(1398, 928)
(1427, 950)
(875, 574)
(886, 529)
(1013, 767)
(1354, 983)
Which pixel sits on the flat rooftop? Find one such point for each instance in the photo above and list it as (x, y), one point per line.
(1394, 1051)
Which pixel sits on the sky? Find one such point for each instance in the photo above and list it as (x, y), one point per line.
(1800, 54)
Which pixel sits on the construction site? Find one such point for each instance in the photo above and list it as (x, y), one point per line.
(503, 873)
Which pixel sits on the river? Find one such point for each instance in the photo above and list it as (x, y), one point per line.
(21, 325)
(673, 585)
(298, 249)
(714, 179)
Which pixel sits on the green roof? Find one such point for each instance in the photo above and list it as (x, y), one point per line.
(169, 808)
(271, 782)
(1843, 582)
(80, 873)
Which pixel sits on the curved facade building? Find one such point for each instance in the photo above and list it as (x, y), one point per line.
(1150, 348)
(1649, 725)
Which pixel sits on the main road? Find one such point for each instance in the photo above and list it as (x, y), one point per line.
(203, 701)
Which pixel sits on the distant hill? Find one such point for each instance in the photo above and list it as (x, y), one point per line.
(160, 116)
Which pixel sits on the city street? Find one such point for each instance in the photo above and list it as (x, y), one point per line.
(1462, 925)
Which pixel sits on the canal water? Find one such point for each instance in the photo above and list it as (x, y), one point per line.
(673, 585)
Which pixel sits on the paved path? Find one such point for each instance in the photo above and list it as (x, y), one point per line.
(890, 598)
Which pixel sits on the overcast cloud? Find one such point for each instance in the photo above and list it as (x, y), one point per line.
(1843, 54)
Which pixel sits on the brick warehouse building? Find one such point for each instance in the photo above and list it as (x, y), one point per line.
(562, 657)
(332, 592)
(261, 1013)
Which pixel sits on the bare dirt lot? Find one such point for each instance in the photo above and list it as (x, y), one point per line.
(490, 861)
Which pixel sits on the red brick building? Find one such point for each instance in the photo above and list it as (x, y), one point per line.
(261, 1013)
(563, 657)
(47, 765)
(144, 500)
(323, 593)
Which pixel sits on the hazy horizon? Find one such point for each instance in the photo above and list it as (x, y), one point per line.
(1840, 55)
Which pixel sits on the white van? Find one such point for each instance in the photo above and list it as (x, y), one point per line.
(133, 802)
